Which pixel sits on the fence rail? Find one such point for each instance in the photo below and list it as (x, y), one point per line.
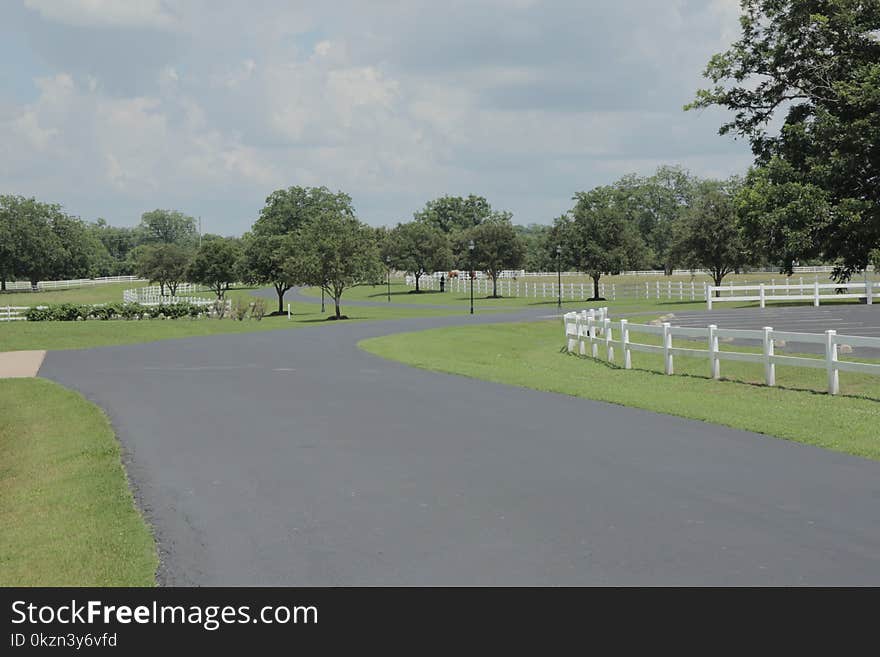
(62, 285)
(815, 292)
(594, 327)
(152, 295)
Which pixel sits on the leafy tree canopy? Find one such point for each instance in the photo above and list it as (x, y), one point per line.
(449, 214)
(168, 227)
(214, 264)
(164, 264)
(417, 248)
(497, 247)
(287, 210)
(816, 63)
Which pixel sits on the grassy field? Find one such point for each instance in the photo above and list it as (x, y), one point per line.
(80, 335)
(104, 293)
(530, 355)
(67, 517)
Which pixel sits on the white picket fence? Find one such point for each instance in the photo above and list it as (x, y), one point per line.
(152, 295)
(594, 327)
(76, 282)
(815, 292)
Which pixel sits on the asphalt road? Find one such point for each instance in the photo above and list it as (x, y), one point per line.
(293, 458)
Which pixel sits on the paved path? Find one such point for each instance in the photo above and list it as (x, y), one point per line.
(849, 319)
(294, 458)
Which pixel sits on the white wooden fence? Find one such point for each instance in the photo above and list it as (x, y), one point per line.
(815, 292)
(63, 285)
(152, 295)
(594, 327)
(13, 313)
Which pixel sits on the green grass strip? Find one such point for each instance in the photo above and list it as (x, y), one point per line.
(67, 517)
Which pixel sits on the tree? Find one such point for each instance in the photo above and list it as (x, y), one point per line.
(262, 261)
(417, 248)
(598, 238)
(34, 250)
(654, 203)
(164, 264)
(286, 210)
(497, 247)
(450, 214)
(118, 242)
(336, 252)
(169, 227)
(818, 62)
(82, 252)
(214, 264)
(710, 236)
(7, 244)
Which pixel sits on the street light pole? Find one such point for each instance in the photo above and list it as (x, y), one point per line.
(471, 272)
(388, 262)
(559, 276)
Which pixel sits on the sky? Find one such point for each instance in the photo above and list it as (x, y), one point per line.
(113, 108)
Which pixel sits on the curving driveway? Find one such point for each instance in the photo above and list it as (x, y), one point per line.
(294, 458)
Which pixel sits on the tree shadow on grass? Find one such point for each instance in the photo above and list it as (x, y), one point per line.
(754, 384)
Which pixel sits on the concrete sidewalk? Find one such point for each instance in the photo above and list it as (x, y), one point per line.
(20, 364)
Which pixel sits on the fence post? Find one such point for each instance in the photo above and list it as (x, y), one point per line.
(647, 291)
(709, 290)
(658, 289)
(582, 345)
(609, 341)
(591, 322)
(624, 344)
(667, 348)
(869, 290)
(761, 292)
(614, 292)
(288, 312)
(714, 361)
(831, 361)
(565, 321)
(816, 293)
(769, 366)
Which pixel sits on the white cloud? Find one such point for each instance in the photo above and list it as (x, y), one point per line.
(105, 13)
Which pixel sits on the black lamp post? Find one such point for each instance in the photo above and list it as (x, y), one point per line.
(559, 276)
(388, 262)
(471, 272)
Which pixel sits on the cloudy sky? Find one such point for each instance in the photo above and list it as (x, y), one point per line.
(114, 107)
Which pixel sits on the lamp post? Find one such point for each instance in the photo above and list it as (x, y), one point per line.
(388, 262)
(559, 276)
(471, 272)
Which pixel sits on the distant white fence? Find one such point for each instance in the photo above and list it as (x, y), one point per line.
(594, 327)
(63, 285)
(815, 292)
(13, 313)
(152, 295)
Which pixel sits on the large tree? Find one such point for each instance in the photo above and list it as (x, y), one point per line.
(335, 252)
(597, 236)
(417, 248)
(214, 264)
(34, 250)
(262, 261)
(450, 214)
(164, 264)
(497, 247)
(286, 210)
(817, 64)
(709, 235)
(169, 227)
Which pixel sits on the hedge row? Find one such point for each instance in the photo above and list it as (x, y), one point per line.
(70, 312)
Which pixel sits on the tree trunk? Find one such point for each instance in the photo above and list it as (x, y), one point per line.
(495, 287)
(338, 311)
(595, 286)
(172, 287)
(717, 278)
(418, 276)
(3, 285)
(279, 290)
(161, 289)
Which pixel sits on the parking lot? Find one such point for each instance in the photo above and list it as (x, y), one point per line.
(862, 320)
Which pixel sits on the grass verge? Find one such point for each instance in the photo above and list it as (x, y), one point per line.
(67, 516)
(530, 355)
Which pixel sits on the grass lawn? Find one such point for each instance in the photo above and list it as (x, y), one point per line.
(80, 335)
(67, 517)
(531, 355)
(104, 293)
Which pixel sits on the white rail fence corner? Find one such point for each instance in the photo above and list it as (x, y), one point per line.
(594, 327)
(152, 295)
(815, 292)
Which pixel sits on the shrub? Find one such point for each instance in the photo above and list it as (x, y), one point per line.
(239, 309)
(220, 309)
(258, 309)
